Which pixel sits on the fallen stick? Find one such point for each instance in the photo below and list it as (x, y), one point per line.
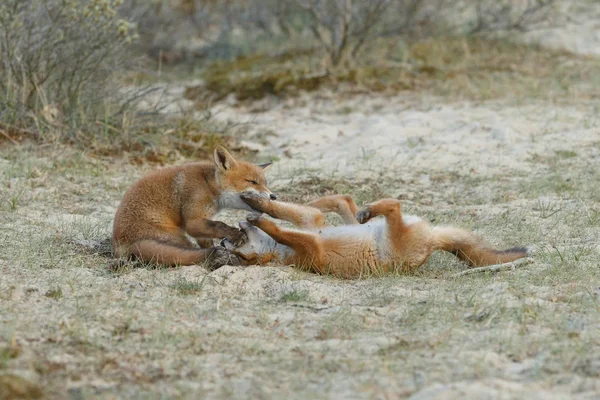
(6, 135)
(496, 267)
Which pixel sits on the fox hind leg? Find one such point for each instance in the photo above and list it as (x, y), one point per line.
(389, 208)
(158, 252)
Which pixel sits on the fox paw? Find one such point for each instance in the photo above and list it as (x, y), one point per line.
(238, 237)
(363, 215)
(219, 256)
(253, 218)
(254, 199)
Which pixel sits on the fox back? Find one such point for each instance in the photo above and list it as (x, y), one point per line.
(159, 205)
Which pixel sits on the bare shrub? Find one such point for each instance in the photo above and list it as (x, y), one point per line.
(175, 31)
(339, 28)
(59, 62)
(506, 15)
(342, 28)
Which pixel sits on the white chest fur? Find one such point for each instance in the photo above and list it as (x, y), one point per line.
(231, 200)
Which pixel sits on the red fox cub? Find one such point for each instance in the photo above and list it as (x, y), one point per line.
(361, 247)
(158, 211)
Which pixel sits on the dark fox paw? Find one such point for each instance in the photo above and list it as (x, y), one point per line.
(253, 218)
(238, 237)
(219, 256)
(254, 199)
(363, 215)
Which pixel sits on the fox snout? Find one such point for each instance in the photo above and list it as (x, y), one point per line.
(267, 195)
(257, 195)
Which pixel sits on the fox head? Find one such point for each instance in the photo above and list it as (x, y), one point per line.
(235, 177)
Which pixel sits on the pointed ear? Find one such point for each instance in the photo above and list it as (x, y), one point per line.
(265, 167)
(223, 160)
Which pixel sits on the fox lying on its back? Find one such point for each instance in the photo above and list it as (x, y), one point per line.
(352, 250)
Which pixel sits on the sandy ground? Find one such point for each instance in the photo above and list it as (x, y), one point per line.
(271, 332)
(516, 172)
(420, 135)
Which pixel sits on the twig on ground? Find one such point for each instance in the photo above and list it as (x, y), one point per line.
(496, 267)
(6, 135)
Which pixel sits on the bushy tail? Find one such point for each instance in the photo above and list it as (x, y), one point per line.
(466, 246)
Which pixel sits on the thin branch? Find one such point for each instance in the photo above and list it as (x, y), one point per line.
(495, 268)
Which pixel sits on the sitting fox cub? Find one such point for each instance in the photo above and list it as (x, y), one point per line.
(158, 211)
(348, 251)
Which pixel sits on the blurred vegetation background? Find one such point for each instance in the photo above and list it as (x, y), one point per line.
(75, 71)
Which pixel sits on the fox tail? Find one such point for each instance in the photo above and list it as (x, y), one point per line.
(466, 246)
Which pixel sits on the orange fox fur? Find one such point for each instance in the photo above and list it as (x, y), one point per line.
(352, 250)
(158, 211)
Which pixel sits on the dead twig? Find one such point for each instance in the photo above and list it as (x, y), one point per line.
(496, 267)
(3, 133)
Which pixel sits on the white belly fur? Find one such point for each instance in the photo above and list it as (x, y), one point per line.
(374, 231)
(232, 200)
(376, 228)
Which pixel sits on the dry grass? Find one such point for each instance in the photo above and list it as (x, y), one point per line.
(84, 330)
(155, 139)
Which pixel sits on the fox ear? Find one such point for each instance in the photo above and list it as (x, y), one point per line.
(266, 166)
(223, 160)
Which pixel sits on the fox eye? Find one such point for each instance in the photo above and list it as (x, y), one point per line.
(252, 181)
